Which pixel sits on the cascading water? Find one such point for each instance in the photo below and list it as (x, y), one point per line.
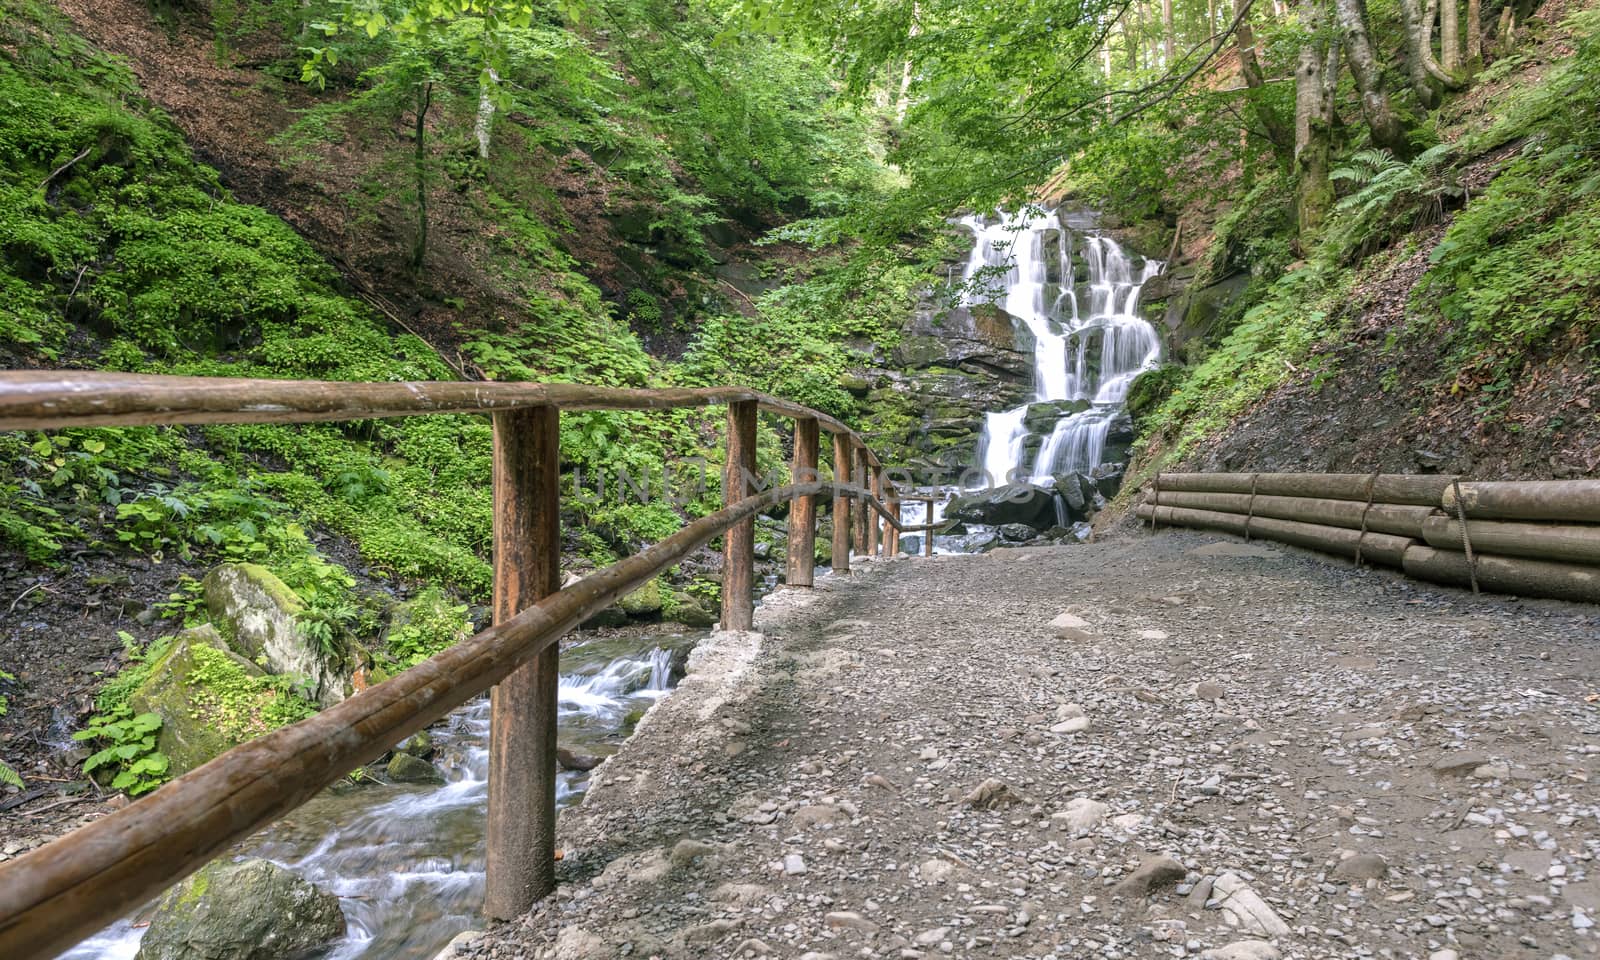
(407, 862)
(1088, 340)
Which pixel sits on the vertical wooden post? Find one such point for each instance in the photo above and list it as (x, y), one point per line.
(803, 510)
(522, 713)
(927, 536)
(841, 504)
(874, 522)
(858, 476)
(894, 531)
(738, 544)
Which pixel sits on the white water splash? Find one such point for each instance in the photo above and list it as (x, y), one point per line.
(1023, 264)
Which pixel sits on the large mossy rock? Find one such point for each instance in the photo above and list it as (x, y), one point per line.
(261, 615)
(175, 689)
(690, 611)
(1015, 503)
(251, 910)
(644, 603)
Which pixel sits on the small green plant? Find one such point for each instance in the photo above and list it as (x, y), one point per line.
(129, 749)
(428, 624)
(7, 775)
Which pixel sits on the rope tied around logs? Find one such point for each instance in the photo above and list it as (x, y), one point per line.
(1251, 513)
(1466, 539)
(1372, 484)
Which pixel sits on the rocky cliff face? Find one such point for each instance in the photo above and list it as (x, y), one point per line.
(952, 365)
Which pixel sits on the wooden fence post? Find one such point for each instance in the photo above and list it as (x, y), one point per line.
(894, 531)
(522, 714)
(738, 544)
(874, 522)
(927, 538)
(858, 477)
(841, 504)
(803, 510)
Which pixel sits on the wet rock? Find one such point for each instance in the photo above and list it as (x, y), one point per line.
(1016, 503)
(405, 768)
(419, 745)
(251, 910)
(1017, 532)
(1153, 873)
(579, 762)
(1242, 907)
(261, 616)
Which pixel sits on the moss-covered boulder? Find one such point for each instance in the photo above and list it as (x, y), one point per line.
(404, 768)
(188, 737)
(211, 699)
(251, 910)
(260, 615)
(644, 603)
(689, 610)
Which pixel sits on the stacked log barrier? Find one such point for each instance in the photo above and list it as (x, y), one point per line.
(1538, 538)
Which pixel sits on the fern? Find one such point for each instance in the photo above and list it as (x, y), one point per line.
(1390, 197)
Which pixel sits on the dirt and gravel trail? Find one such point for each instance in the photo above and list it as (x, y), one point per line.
(1241, 752)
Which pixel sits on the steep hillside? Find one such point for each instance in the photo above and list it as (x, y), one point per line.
(1444, 320)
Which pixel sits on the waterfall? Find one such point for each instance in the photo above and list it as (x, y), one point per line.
(1089, 343)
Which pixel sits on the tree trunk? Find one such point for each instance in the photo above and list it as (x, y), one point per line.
(1281, 136)
(1169, 42)
(1385, 125)
(424, 101)
(1418, 53)
(1316, 76)
(1474, 34)
(1449, 36)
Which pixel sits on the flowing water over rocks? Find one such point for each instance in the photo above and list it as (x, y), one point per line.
(1074, 292)
(407, 862)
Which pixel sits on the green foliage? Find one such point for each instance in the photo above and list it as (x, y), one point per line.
(1273, 341)
(128, 749)
(240, 705)
(1390, 197)
(114, 693)
(428, 624)
(1521, 264)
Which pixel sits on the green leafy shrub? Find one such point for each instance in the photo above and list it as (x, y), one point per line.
(128, 749)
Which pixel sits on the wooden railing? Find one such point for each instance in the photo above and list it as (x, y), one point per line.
(55, 895)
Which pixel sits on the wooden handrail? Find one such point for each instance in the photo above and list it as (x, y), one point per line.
(57, 399)
(54, 895)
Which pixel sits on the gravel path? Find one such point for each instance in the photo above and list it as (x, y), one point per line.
(1234, 752)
